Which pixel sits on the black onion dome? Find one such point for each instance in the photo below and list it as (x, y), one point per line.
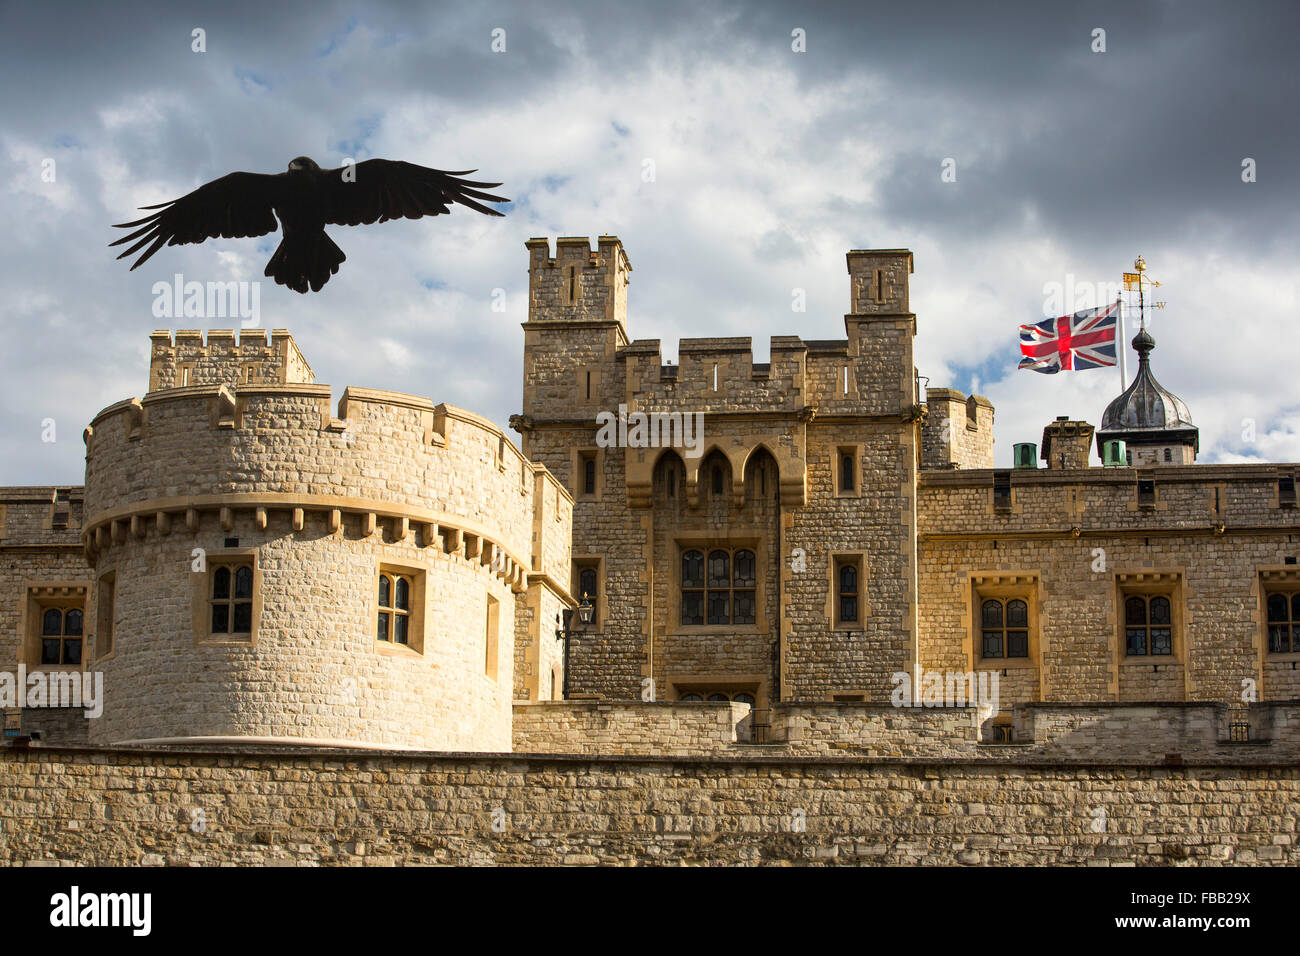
(1146, 403)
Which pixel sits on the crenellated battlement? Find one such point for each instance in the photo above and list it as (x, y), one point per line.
(576, 283)
(957, 431)
(186, 359)
(385, 456)
(715, 374)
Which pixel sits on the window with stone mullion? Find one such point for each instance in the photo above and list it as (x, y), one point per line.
(721, 590)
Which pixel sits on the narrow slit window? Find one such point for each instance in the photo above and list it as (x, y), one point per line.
(847, 588)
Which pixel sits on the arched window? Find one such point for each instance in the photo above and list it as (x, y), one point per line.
(848, 593)
(846, 471)
(1169, 454)
(717, 480)
(393, 623)
(666, 476)
(693, 698)
(1005, 625)
(719, 698)
(846, 590)
(1148, 625)
(744, 699)
(761, 484)
(232, 599)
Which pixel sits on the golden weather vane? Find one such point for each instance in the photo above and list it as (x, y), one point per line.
(1136, 281)
(1139, 281)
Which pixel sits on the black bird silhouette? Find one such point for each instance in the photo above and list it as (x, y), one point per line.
(306, 199)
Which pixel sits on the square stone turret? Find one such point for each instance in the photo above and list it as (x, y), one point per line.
(1066, 443)
(578, 284)
(879, 283)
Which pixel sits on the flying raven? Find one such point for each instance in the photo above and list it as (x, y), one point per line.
(306, 199)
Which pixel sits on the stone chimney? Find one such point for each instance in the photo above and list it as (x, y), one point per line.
(1066, 443)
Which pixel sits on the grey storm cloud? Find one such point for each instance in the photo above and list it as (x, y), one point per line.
(770, 164)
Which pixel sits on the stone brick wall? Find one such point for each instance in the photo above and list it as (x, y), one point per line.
(1192, 731)
(822, 660)
(60, 726)
(336, 808)
(609, 728)
(875, 730)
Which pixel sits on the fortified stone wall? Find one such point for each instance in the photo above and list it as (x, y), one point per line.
(1152, 733)
(337, 808)
(610, 728)
(1212, 540)
(1266, 732)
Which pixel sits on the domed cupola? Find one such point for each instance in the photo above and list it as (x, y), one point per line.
(1152, 421)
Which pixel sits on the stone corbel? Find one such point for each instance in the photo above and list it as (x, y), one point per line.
(225, 407)
(134, 420)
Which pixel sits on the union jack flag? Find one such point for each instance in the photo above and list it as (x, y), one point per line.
(1072, 342)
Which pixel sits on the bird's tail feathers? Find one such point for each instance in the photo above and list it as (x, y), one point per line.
(303, 262)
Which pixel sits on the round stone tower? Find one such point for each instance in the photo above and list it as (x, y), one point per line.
(268, 571)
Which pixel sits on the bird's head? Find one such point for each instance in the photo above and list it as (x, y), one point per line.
(303, 163)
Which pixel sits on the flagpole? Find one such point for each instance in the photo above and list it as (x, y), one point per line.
(1123, 345)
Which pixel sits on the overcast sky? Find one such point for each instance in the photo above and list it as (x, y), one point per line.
(769, 164)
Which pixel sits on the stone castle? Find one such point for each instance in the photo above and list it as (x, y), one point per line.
(830, 567)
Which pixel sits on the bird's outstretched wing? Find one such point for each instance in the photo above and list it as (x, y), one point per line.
(380, 189)
(232, 207)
